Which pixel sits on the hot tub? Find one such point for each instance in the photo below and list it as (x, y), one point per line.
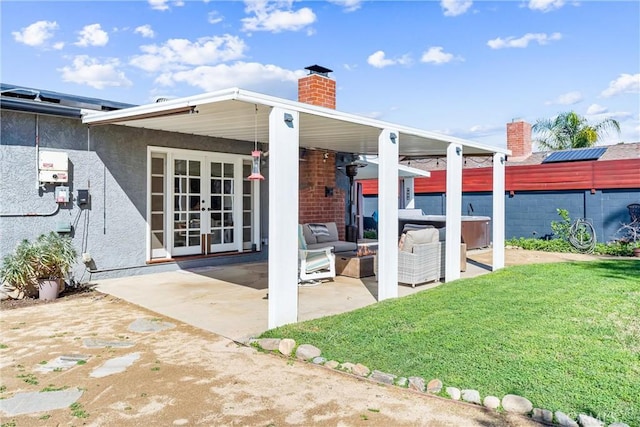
(476, 232)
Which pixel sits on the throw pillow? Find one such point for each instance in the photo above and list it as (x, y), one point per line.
(319, 230)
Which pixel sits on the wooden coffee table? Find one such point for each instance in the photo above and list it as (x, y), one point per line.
(350, 265)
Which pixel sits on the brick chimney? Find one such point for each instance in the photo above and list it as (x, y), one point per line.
(317, 88)
(519, 139)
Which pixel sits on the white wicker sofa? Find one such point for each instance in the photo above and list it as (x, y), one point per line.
(420, 254)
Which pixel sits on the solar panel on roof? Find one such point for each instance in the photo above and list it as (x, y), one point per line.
(575, 155)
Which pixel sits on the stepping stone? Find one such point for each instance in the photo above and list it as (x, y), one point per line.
(94, 343)
(115, 365)
(149, 325)
(33, 402)
(62, 363)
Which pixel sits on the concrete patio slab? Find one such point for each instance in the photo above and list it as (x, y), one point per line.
(233, 301)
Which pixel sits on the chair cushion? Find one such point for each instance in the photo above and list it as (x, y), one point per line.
(331, 233)
(419, 237)
(317, 262)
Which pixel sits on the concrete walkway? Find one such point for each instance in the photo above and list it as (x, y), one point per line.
(231, 301)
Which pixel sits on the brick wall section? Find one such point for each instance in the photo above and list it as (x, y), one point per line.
(316, 173)
(519, 139)
(317, 90)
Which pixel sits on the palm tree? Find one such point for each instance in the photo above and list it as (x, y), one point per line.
(570, 130)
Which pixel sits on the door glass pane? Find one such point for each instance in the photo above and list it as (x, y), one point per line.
(228, 235)
(228, 220)
(216, 203)
(194, 185)
(179, 239)
(157, 221)
(228, 186)
(179, 185)
(216, 237)
(246, 234)
(180, 167)
(157, 241)
(194, 168)
(246, 203)
(157, 202)
(228, 203)
(157, 166)
(216, 170)
(216, 186)
(194, 239)
(228, 170)
(157, 184)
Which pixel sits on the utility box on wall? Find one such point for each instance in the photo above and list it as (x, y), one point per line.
(53, 167)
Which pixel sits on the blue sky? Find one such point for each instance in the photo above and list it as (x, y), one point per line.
(459, 67)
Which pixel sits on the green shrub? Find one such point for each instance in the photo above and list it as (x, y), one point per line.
(616, 248)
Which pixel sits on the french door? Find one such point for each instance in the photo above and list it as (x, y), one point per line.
(207, 205)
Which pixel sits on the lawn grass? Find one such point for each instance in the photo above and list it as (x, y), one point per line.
(566, 336)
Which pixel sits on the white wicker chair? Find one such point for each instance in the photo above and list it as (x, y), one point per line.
(420, 258)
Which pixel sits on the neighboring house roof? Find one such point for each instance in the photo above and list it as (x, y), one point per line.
(33, 100)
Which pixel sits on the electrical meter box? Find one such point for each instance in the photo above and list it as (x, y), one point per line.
(54, 167)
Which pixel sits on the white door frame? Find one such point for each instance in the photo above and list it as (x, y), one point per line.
(203, 156)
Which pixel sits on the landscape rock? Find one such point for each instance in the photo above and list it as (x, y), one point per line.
(115, 365)
(332, 364)
(618, 425)
(434, 386)
(28, 403)
(269, 344)
(471, 396)
(360, 370)
(347, 366)
(63, 362)
(319, 360)
(417, 384)
(383, 377)
(542, 415)
(516, 404)
(402, 382)
(587, 421)
(454, 393)
(286, 346)
(307, 352)
(564, 420)
(94, 343)
(491, 402)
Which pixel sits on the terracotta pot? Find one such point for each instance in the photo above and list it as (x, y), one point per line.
(48, 289)
(636, 252)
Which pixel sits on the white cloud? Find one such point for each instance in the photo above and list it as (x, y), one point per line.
(276, 16)
(545, 5)
(214, 17)
(378, 60)
(159, 4)
(626, 83)
(58, 45)
(36, 34)
(92, 35)
(178, 53)
(596, 109)
(145, 31)
(436, 55)
(455, 7)
(541, 38)
(568, 98)
(348, 5)
(90, 72)
(248, 75)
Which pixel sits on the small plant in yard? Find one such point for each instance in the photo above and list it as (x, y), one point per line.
(78, 411)
(29, 379)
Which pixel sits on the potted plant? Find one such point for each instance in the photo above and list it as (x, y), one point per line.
(40, 265)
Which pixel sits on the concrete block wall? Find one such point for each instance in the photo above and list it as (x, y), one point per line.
(529, 214)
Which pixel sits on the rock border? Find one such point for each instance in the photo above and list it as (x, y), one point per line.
(509, 403)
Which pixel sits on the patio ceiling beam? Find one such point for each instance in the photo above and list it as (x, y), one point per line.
(284, 134)
(387, 257)
(498, 219)
(453, 212)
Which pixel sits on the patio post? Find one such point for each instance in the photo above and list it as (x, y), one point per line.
(388, 214)
(454, 212)
(284, 131)
(498, 210)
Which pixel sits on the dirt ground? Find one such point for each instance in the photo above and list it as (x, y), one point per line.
(186, 376)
